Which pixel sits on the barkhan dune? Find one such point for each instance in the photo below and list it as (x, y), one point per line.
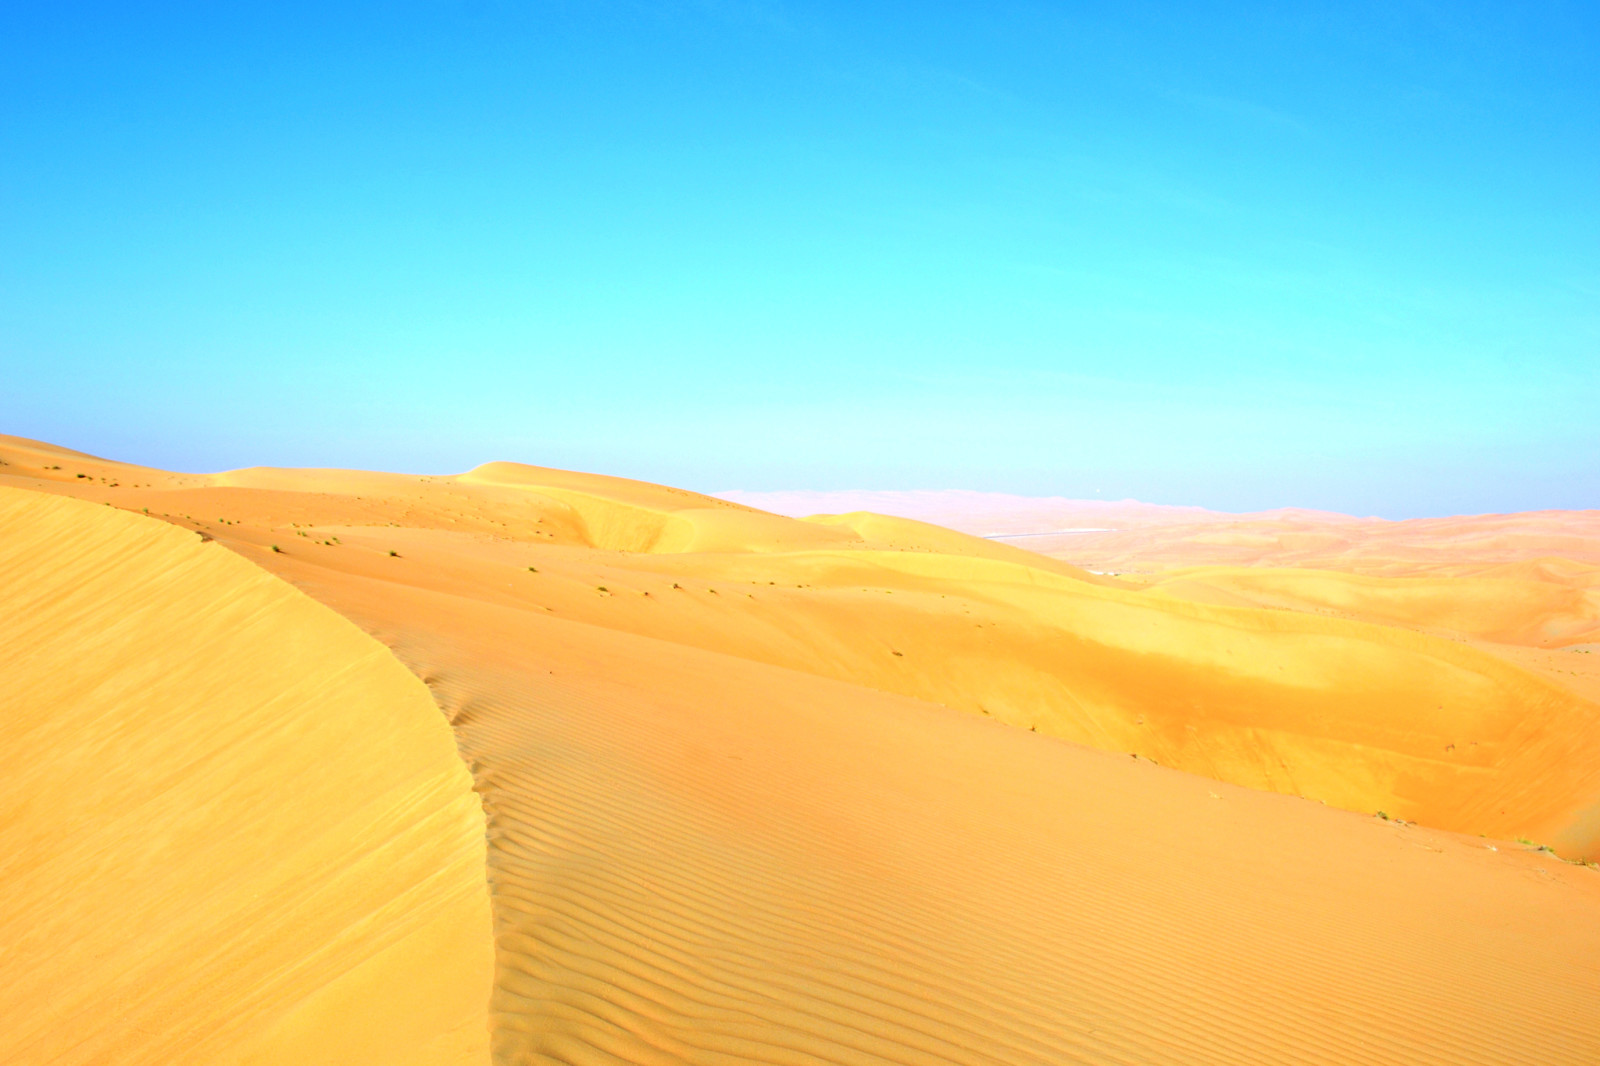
(758, 789)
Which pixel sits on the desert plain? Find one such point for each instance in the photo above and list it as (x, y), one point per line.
(530, 766)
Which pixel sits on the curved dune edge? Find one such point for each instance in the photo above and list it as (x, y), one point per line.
(1260, 684)
(233, 828)
(698, 855)
(699, 858)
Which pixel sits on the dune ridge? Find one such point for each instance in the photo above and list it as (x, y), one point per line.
(700, 858)
(1349, 709)
(232, 827)
(768, 790)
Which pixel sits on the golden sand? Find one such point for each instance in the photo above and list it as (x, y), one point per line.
(760, 789)
(235, 829)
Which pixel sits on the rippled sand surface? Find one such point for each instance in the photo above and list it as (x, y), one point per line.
(860, 789)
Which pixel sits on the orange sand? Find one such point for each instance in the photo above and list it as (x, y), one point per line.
(748, 798)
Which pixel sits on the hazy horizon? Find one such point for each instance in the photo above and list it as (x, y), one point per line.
(1205, 255)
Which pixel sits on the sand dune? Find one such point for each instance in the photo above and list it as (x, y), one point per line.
(1504, 607)
(232, 828)
(1205, 672)
(706, 859)
(1506, 584)
(760, 789)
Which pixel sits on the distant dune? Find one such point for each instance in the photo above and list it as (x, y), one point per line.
(980, 513)
(1147, 536)
(757, 788)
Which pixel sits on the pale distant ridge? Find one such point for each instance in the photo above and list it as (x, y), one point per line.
(980, 513)
(1153, 536)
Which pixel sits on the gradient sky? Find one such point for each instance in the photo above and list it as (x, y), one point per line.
(1343, 256)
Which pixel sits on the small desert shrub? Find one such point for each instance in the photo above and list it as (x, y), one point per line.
(533, 569)
(1383, 815)
(395, 554)
(276, 548)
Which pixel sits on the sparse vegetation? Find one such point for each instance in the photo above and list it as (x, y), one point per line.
(1384, 815)
(533, 569)
(394, 553)
(276, 548)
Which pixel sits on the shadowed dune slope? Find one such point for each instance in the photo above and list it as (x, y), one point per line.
(233, 829)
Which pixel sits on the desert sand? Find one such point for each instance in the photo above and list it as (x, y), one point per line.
(1520, 586)
(235, 829)
(853, 789)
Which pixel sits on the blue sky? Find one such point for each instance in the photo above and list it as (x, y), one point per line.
(1244, 256)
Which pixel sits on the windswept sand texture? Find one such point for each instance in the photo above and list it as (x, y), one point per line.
(232, 827)
(769, 790)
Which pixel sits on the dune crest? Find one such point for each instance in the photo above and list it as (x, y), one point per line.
(1180, 667)
(235, 828)
(769, 790)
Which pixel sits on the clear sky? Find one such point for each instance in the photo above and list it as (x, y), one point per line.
(1343, 256)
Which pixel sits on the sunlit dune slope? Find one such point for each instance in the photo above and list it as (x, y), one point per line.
(1523, 587)
(721, 830)
(1360, 715)
(700, 858)
(1528, 579)
(232, 827)
(1529, 604)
